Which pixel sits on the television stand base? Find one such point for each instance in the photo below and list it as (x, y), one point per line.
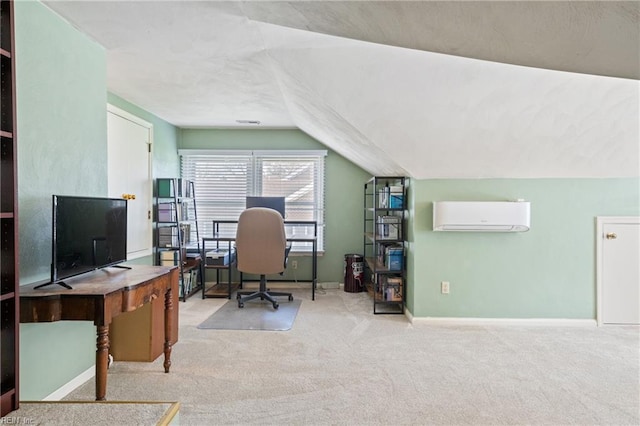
(121, 266)
(62, 283)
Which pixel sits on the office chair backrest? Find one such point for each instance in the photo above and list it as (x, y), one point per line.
(260, 241)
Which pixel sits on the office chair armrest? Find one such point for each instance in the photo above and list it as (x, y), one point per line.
(287, 249)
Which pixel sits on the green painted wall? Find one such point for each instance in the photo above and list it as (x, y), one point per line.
(62, 149)
(548, 272)
(61, 125)
(61, 114)
(344, 184)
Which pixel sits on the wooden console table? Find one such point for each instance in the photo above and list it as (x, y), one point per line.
(100, 296)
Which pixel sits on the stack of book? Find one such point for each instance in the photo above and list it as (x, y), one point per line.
(391, 197)
(166, 212)
(393, 290)
(393, 258)
(168, 236)
(388, 227)
(169, 257)
(189, 281)
(165, 188)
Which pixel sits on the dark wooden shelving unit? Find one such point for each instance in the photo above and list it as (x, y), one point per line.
(9, 283)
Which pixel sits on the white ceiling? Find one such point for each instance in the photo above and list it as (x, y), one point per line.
(419, 88)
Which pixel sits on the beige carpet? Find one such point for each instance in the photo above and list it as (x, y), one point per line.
(341, 365)
(63, 413)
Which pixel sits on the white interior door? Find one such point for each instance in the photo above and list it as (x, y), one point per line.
(129, 163)
(619, 261)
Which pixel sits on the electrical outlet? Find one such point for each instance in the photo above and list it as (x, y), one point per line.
(294, 264)
(444, 287)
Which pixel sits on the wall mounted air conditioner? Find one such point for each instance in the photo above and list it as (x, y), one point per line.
(481, 216)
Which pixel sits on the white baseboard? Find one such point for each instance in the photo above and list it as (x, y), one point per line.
(70, 386)
(549, 322)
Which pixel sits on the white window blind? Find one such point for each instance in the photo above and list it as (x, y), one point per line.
(223, 180)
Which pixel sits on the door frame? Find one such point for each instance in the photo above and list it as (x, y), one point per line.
(600, 222)
(149, 126)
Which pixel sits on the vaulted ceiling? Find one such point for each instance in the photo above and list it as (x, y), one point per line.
(426, 89)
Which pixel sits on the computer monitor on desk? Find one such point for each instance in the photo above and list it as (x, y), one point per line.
(276, 203)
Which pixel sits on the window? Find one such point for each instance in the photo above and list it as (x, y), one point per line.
(223, 180)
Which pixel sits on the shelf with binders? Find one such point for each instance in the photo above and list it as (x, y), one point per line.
(385, 277)
(219, 255)
(177, 235)
(389, 259)
(385, 243)
(190, 265)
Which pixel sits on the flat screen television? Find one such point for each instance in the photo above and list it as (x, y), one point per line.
(89, 233)
(275, 203)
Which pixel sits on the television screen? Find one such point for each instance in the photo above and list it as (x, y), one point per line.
(88, 233)
(276, 203)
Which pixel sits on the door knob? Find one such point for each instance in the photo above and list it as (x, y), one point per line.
(611, 236)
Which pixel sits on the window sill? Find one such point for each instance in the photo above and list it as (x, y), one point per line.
(304, 253)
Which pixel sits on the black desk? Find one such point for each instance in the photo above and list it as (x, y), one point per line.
(224, 238)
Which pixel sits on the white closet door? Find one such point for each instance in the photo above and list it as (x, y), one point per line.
(129, 164)
(620, 270)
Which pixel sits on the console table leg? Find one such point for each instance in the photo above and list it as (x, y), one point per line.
(168, 332)
(102, 361)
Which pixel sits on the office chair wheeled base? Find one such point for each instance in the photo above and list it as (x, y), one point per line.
(263, 293)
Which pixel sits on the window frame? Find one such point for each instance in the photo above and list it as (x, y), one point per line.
(255, 161)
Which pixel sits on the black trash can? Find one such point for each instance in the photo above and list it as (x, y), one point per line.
(353, 273)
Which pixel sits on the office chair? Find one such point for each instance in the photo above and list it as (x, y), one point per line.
(261, 248)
